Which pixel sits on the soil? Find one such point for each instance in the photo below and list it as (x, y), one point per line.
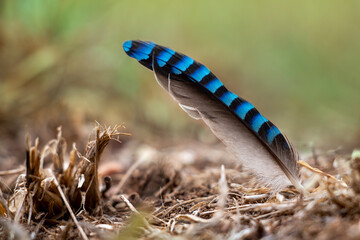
(190, 190)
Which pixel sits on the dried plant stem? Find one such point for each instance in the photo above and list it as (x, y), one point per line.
(192, 218)
(82, 233)
(20, 208)
(259, 207)
(128, 203)
(132, 208)
(118, 188)
(318, 171)
(166, 211)
(12, 172)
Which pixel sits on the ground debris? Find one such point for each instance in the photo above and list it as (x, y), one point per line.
(38, 197)
(183, 192)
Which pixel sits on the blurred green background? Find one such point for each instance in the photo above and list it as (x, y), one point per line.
(62, 63)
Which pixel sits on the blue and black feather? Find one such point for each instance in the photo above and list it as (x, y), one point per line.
(190, 70)
(180, 67)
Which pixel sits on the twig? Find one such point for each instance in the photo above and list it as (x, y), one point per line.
(128, 203)
(223, 189)
(192, 218)
(164, 188)
(38, 226)
(12, 172)
(273, 214)
(259, 207)
(20, 207)
(132, 208)
(254, 198)
(168, 210)
(82, 233)
(318, 171)
(130, 171)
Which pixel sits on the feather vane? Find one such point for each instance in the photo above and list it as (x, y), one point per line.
(255, 141)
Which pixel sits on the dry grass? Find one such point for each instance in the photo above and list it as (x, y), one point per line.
(184, 192)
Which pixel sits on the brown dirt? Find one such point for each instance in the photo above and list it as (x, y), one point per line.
(181, 192)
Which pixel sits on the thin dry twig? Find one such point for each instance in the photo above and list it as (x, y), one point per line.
(318, 171)
(82, 233)
(133, 209)
(128, 173)
(258, 207)
(168, 210)
(192, 218)
(148, 154)
(20, 209)
(12, 172)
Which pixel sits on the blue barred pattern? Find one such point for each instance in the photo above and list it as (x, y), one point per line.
(189, 70)
(200, 73)
(164, 57)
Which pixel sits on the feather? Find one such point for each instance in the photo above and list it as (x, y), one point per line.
(255, 141)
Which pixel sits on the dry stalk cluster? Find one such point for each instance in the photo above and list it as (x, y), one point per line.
(69, 188)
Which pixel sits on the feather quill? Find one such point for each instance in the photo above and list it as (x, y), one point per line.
(255, 141)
